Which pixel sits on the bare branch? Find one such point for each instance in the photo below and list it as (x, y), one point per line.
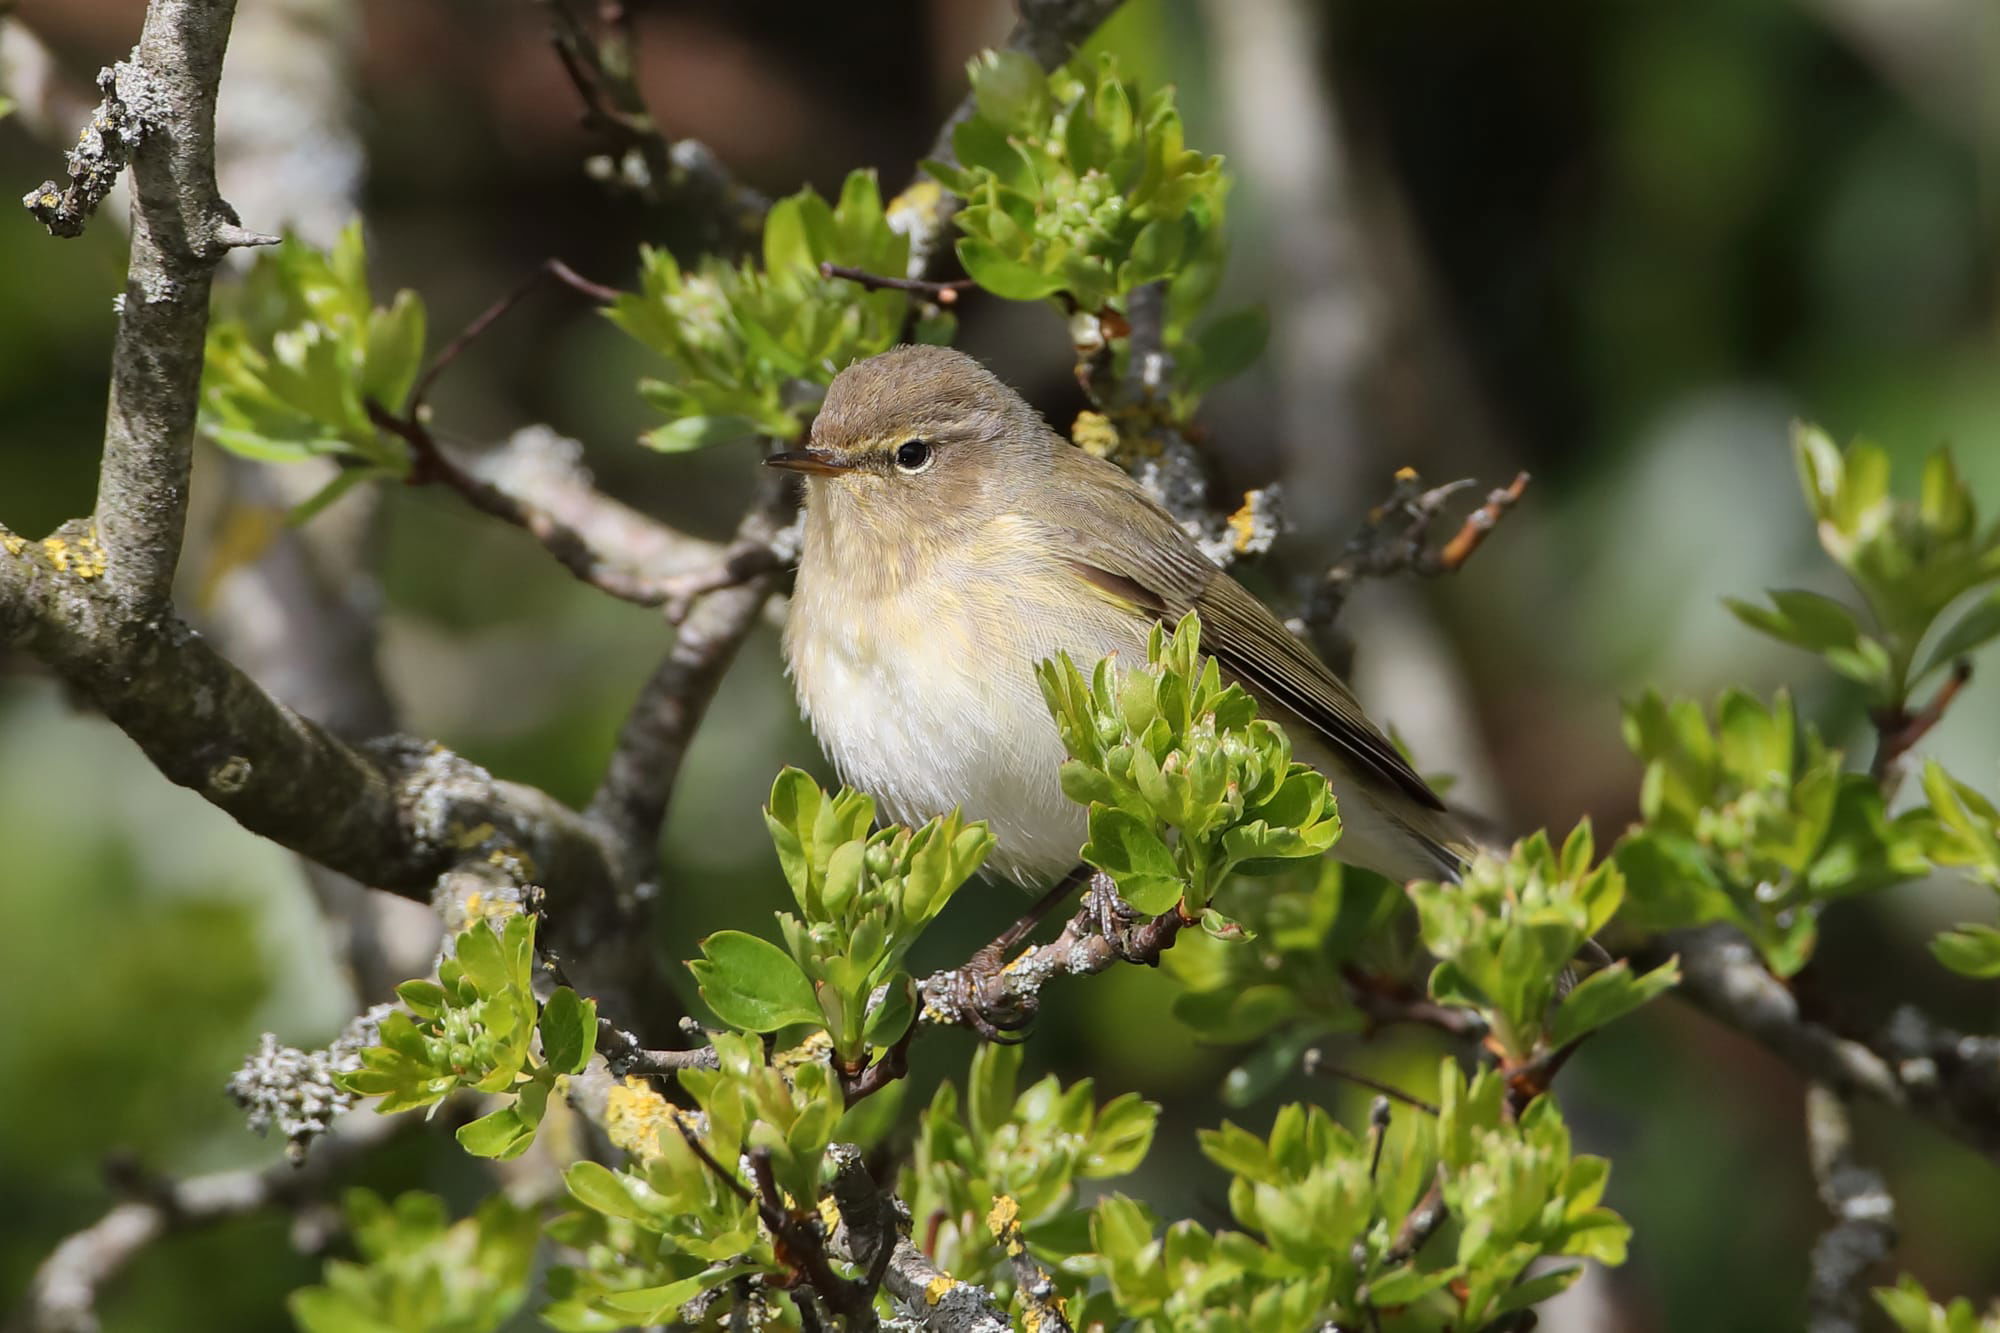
(944, 293)
(1864, 1219)
(631, 802)
(580, 552)
(62, 1298)
(548, 270)
(1315, 1062)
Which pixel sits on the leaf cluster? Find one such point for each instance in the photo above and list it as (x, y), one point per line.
(1911, 561)
(669, 1226)
(1184, 783)
(1504, 936)
(290, 374)
(1752, 820)
(1313, 1190)
(863, 900)
(749, 346)
(1282, 985)
(1080, 187)
(1912, 1310)
(1030, 1145)
(419, 1272)
(474, 1028)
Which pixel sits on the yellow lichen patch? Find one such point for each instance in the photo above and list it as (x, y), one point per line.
(11, 544)
(938, 1288)
(1094, 434)
(634, 1116)
(921, 200)
(465, 839)
(88, 559)
(1004, 1221)
(829, 1214)
(56, 551)
(815, 1049)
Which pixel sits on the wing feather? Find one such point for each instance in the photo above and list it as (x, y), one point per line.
(1164, 573)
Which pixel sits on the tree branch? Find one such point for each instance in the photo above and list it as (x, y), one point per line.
(603, 66)
(1864, 1219)
(873, 1234)
(1949, 1080)
(631, 802)
(1393, 539)
(62, 1298)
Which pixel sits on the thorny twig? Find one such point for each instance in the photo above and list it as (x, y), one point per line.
(1392, 539)
(873, 1233)
(799, 1242)
(1864, 1219)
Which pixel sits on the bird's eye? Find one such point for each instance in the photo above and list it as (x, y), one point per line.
(913, 455)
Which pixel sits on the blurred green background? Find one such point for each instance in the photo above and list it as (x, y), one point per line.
(1616, 244)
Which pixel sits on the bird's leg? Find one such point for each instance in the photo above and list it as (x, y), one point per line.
(968, 991)
(1113, 914)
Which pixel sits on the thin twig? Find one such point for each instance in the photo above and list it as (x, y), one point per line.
(1041, 1304)
(549, 269)
(684, 175)
(1378, 1130)
(625, 1055)
(1315, 1062)
(944, 293)
(1898, 730)
(1393, 539)
(582, 558)
(1421, 1223)
(1385, 1001)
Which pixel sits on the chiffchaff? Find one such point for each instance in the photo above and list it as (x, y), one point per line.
(952, 541)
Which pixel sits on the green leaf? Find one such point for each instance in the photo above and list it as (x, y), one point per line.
(1978, 626)
(752, 984)
(569, 1031)
(698, 432)
(1127, 848)
(1403, 1286)
(324, 1310)
(1007, 278)
(1606, 996)
(503, 1133)
(603, 1190)
(1970, 950)
(662, 1304)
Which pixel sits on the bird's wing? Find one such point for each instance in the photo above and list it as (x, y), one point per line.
(1164, 574)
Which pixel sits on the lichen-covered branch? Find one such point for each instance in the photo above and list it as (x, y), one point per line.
(1948, 1079)
(1864, 1219)
(631, 802)
(996, 1001)
(873, 1235)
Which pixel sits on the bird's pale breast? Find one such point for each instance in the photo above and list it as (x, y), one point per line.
(922, 690)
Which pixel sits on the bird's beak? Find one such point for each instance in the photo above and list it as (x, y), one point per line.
(813, 462)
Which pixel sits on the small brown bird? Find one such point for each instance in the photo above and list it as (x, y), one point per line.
(953, 541)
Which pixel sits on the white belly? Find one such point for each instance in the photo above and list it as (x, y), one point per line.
(927, 710)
